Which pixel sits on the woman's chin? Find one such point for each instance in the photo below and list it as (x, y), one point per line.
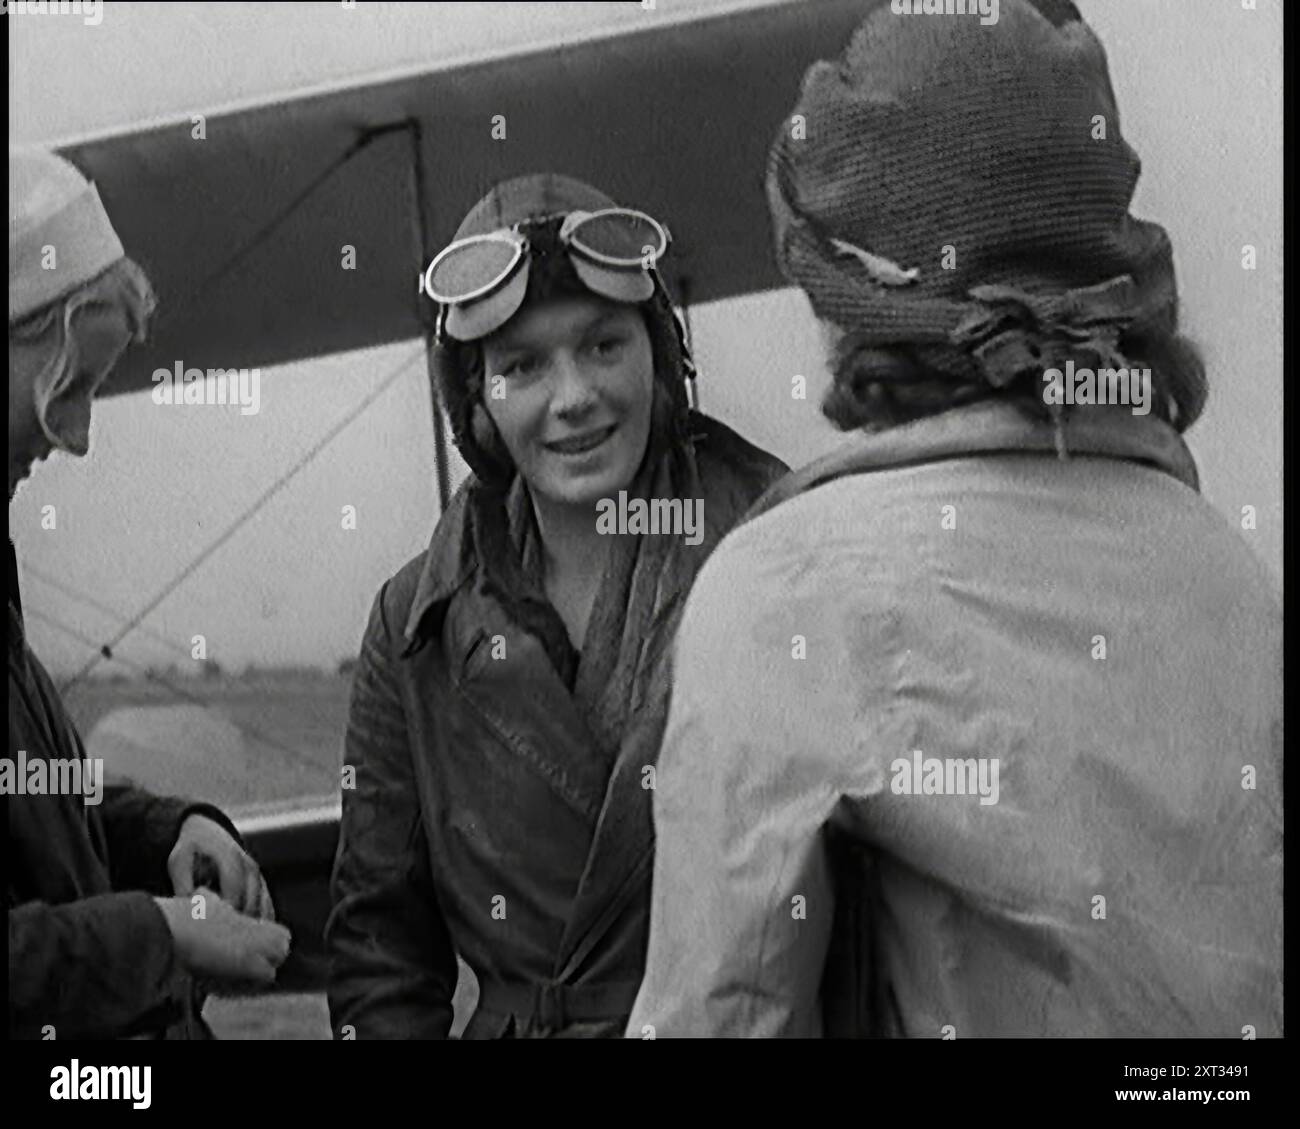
(574, 489)
(584, 494)
(574, 482)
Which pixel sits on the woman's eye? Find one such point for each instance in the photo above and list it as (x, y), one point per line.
(608, 347)
(521, 366)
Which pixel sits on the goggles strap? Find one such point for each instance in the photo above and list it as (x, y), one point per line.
(689, 371)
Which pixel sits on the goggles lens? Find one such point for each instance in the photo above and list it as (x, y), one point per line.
(617, 237)
(472, 267)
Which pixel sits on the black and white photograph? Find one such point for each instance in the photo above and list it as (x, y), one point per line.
(652, 520)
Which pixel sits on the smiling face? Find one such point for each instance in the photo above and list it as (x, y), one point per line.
(573, 406)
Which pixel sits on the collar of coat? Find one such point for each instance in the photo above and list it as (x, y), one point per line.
(448, 565)
(992, 428)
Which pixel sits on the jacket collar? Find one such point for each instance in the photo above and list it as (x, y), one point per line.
(452, 558)
(448, 564)
(989, 428)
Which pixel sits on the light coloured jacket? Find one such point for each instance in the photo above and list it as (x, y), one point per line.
(1090, 629)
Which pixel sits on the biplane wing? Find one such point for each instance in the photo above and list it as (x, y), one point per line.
(244, 231)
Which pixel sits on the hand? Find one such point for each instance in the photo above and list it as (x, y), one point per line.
(223, 945)
(238, 879)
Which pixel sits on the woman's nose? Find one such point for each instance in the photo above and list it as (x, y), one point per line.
(574, 392)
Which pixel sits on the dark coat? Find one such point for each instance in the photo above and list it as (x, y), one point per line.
(90, 955)
(484, 821)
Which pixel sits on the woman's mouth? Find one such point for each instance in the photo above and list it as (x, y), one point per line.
(581, 444)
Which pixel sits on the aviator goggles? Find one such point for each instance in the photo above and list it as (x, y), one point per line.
(480, 281)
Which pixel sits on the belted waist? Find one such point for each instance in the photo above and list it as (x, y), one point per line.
(554, 1006)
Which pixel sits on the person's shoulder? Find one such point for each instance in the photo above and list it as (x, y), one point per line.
(736, 590)
(727, 458)
(397, 593)
(442, 561)
(770, 651)
(745, 580)
(836, 545)
(1197, 549)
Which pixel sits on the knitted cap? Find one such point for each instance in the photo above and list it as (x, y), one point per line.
(962, 184)
(52, 206)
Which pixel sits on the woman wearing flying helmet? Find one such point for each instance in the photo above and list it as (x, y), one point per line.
(513, 681)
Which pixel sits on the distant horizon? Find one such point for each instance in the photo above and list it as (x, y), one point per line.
(197, 673)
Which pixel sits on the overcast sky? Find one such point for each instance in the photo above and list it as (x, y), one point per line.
(1199, 85)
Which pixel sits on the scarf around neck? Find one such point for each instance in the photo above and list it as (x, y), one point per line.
(641, 592)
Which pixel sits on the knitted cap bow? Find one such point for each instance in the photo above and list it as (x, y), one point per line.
(1012, 331)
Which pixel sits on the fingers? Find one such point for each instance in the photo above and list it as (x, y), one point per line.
(225, 946)
(212, 899)
(180, 869)
(243, 886)
(261, 970)
(255, 949)
(231, 869)
(283, 940)
(270, 948)
(265, 907)
(252, 895)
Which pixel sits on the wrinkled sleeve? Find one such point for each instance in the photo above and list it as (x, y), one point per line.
(742, 901)
(99, 968)
(392, 967)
